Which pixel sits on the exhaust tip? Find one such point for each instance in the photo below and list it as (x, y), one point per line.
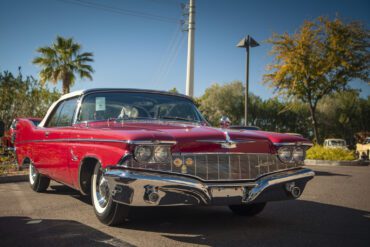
(153, 197)
(296, 192)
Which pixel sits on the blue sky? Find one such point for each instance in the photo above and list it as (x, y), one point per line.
(137, 52)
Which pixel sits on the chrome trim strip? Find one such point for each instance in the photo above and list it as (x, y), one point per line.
(132, 142)
(220, 141)
(154, 142)
(293, 144)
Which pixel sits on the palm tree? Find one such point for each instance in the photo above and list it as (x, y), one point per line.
(62, 61)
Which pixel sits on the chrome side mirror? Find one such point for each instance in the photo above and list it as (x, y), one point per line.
(225, 122)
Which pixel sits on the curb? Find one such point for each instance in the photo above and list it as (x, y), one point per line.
(336, 163)
(13, 179)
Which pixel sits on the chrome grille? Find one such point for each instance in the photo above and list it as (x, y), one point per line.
(220, 166)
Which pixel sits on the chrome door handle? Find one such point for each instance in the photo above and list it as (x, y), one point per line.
(47, 133)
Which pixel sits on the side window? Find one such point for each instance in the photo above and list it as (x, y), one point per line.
(53, 119)
(67, 113)
(63, 115)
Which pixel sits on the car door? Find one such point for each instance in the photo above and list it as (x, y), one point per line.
(54, 153)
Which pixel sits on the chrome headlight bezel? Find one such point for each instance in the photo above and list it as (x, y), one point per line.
(154, 153)
(299, 154)
(285, 154)
(139, 153)
(162, 154)
(292, 154)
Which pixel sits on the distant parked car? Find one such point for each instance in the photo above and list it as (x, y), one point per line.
(335, 143)
(363, 149)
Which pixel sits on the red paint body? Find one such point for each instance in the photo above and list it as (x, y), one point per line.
(54, 159)
(6, 140)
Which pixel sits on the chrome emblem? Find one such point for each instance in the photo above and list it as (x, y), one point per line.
(228, 143)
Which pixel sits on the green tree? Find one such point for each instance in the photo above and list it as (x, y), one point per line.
(319, 59)
(221, 100)
(23, 97)
(62, 61)
(343, 114)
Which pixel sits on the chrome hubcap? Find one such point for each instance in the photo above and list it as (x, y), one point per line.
(102, 192)
(33, 172)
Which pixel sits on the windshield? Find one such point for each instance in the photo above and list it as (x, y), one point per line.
(137, 106)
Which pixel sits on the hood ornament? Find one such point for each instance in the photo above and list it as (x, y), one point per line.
(228, 142)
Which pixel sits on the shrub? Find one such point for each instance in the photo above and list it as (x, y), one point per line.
(320, 153)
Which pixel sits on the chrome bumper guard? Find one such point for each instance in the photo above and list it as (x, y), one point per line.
(138, 188)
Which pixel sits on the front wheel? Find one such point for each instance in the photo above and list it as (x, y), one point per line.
(106, 210)
(248, 209)
(38, 182)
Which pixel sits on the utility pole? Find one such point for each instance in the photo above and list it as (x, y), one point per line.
(246, 43)
(190, 59)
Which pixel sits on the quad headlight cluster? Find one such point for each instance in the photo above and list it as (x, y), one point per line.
(289, 154)
(152, 153)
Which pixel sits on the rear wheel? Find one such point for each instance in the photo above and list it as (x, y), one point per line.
(248, 209)
(107, 211)
(38, 182)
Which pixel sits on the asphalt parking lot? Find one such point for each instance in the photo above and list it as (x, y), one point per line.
(333, 211)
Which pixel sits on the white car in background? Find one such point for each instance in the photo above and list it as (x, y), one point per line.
(335, 143)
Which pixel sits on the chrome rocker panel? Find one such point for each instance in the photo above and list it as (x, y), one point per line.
(136, 188)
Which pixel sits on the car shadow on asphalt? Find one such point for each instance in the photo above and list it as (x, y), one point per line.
(287, 223)
(321, 173)
(24, 231)
(60, 189)
(290, 223)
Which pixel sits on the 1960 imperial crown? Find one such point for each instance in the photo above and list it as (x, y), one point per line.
(128, 147)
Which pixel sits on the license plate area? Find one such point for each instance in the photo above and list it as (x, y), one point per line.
(228, 195)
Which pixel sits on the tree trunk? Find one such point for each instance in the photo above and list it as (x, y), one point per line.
(66, 83)
(314, 123)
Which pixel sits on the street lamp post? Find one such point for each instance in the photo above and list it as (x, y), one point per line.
(246, 43)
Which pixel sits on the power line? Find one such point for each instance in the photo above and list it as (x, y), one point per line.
(167, 54)
(172, 52)
(174, 56)
(121, 11)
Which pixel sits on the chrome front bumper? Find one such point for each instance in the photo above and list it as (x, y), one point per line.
(137, 188)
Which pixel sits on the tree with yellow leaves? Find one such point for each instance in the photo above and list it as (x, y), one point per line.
(322, 57)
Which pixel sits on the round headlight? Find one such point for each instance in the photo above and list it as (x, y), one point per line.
(285, 154)
(143, 153)
(299, 154)
(162, 153)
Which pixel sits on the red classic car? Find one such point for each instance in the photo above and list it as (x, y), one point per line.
(129, 147)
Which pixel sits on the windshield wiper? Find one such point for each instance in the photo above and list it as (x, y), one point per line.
(177, 118)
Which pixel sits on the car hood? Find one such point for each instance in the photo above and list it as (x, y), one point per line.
(190, 137)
